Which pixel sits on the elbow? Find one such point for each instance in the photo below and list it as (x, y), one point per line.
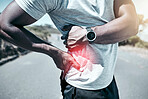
(136, 30)
(5, 26)
(133, 26)
(5, 29)
(0, 24)
(1, 27)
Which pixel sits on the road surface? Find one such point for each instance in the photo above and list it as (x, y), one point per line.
(35, 76)
(132, 75)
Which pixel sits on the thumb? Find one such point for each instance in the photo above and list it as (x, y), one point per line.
(76, 65)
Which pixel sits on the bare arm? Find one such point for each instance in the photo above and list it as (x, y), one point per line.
(12, 30)
(124, 26)
(12, 20)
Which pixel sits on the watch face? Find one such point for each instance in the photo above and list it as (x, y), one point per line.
(91, 35)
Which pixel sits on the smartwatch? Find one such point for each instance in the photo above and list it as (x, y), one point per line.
(91, 35)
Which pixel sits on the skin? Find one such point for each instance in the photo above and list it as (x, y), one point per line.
(122, 27)
(13, 18)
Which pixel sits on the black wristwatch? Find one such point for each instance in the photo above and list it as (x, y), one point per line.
(91, 35)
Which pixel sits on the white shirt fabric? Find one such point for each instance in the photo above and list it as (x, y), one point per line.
(97, 60)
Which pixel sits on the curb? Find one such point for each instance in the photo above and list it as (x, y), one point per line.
(11, 58)
(3, 61)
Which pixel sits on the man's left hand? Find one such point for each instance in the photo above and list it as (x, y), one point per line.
(77, 37)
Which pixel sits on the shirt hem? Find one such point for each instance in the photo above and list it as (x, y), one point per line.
(90, 87)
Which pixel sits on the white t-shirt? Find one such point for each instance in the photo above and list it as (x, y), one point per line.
(97, 60)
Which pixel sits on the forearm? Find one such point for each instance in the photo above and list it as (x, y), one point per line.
(122, 27)
(33, 37)
(23, 38)
(116, 30)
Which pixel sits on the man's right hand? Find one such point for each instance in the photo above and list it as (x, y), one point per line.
(64, 61)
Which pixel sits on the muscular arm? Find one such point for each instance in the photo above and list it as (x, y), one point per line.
(124, 26)
(12, 20)
(12, 30)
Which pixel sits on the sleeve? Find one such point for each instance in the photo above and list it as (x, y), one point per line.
(36, 8)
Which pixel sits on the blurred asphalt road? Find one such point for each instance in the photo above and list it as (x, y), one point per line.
(132, 75)
(34, 76)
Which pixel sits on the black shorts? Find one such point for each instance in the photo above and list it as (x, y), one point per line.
(71, 92)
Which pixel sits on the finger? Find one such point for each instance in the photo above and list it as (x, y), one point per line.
(75, 47)
(65, 42)
(67, 27)
(62, 37)
(71, 46)
(76, 65)
(75, 28)
(66, 70)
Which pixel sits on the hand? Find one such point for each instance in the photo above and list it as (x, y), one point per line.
(76, 37)
(64, 61)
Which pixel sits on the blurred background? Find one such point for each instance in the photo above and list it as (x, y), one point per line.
(30, 75)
